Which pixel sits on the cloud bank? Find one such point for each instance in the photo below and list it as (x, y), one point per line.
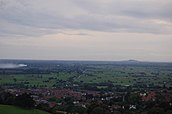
(11, 65)
(42, 17)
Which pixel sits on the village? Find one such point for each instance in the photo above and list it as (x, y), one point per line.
(55, 99)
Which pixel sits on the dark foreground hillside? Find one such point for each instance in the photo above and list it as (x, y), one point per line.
(8, 109)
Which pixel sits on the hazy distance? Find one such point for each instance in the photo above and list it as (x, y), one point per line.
(86, 30)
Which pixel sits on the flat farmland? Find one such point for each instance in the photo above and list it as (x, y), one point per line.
(120, 74)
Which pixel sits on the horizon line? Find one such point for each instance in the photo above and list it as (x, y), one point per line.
(85, 60)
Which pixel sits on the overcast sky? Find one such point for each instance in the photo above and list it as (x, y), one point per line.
(86, 29)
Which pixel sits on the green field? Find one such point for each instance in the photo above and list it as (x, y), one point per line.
(8, 109)
(118, 75)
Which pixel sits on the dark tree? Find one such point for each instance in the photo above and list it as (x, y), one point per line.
(156, 111)
(96, 108)
(25, 101)
(7, 98)
(99, 110)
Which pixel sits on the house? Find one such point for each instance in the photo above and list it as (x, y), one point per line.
(150, 96)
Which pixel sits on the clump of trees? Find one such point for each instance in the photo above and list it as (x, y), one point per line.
(97, 108)
(24, 100)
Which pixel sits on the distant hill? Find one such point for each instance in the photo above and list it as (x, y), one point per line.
(130, 61)
(24, 64)
(8, 109)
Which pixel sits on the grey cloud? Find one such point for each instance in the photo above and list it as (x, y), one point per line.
(41, 17)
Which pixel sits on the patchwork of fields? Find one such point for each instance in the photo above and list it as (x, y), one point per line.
(125, 74)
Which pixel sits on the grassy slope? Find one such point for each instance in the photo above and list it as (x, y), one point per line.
(8, 109)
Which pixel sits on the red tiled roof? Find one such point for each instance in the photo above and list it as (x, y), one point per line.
(149, 97)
